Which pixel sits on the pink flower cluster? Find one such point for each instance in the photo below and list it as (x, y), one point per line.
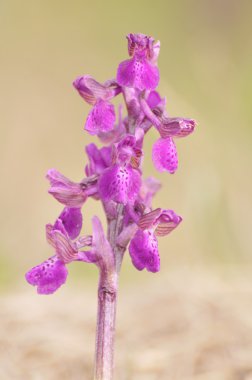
(114, 171)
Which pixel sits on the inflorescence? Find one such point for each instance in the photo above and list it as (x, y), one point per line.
(114, 174)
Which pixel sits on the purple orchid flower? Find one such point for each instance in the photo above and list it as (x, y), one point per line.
(114, 177)
(164, 153)
(102, 117)
(139, 72)
(52, 273)
(143, 247)
(121, 182)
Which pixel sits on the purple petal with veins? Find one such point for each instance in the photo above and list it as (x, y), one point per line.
(91, 90)
(176, 127)
(65, 191)
(65, 249)
(149, 219)
(167, 222)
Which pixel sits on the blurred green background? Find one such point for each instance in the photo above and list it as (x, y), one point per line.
(205, 65)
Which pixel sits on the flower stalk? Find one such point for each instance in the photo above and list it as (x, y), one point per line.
(107, 303)
(105, 330)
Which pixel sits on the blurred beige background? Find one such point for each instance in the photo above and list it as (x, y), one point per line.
(205, 66)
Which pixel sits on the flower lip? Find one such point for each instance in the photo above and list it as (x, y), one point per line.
(164, 155)
(101, 118)
(48, 276)
(120, 184)
(143, 250)
(138, 73)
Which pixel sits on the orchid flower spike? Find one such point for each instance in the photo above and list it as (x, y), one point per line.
(114, 171)
(114, 177)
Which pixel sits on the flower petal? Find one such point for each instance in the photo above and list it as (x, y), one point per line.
(138, 73)
(101, 118)
(65, 249)
(153, 99)
(148, 220)
(143, 250)
(65, 191)
(49, 236)
(149, 188)
(167, 222)
(90, 90)
(140, 44)
(48, 276)
(120, 184)
(176, 126)
(70, 222)
(99, 159)
(164, 155)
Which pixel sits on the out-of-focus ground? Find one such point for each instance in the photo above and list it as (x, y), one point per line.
(187, 325)
(178, 324)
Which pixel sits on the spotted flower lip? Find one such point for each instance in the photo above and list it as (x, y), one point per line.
(120, 184)
(143, 251)
(101, 118)
(164, 155)
(143, 247)
(48, 276)
(138, 73)
(52, 273)
(164, 151)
